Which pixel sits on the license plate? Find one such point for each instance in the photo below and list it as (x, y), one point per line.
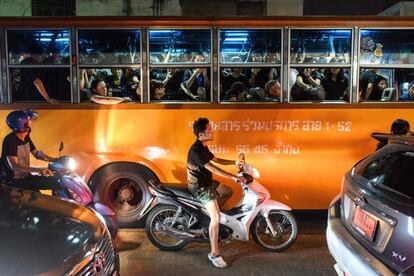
(365, 223)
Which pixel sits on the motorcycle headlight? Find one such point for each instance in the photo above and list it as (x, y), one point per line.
(71, 164)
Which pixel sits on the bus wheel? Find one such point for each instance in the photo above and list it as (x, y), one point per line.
(124, 188)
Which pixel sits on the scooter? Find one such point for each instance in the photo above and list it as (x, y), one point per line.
(176, 218)
(75, 188)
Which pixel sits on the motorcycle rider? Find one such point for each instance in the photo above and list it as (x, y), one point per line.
(15, 156)
(200, 166)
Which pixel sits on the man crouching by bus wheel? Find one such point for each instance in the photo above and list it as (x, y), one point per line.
(200, 166)
(15, 155)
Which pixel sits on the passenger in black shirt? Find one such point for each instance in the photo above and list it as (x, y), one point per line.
(335, 84)
(15, 156)
(32, 87)
(200, 169)
(366, 84)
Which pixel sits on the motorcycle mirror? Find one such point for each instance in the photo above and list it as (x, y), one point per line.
(242, 157)
(61, 146)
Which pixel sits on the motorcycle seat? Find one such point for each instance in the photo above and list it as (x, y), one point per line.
(181, 191)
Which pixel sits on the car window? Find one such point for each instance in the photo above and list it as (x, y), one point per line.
(392, 173)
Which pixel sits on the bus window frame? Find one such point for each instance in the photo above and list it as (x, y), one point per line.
(3, 85)
(9, 66)
(250, 64)
(189, 65)
(110, 66)
(393, 66)
(348, 66)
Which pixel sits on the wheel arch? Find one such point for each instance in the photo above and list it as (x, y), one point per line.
(107, 165)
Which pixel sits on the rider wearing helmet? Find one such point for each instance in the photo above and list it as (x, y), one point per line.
(15, 156)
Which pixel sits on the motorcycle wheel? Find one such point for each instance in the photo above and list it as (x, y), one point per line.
(285, 226)
(160, 215)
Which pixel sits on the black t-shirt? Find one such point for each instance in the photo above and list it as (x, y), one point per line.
(27, 89)
(366, 78)
(227, 81)
(198, 156)
(334, 90)
(262, 77)
(13, 146)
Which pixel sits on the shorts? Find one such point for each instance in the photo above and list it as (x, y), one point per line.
(208, 194)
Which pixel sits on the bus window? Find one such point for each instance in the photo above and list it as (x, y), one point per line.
(181, 84)
(39, 65)
(109, 47)
(319, 84)
(386, 84)
(250, 84)
(320, 46)
(38, 47)
(255, 59)
(179, 46)
(247, 45)
(180, 65)
(121, 82)
(387, 47)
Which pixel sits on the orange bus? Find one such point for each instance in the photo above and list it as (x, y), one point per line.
(299, 96)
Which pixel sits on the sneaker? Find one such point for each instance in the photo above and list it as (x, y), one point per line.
(217, 261)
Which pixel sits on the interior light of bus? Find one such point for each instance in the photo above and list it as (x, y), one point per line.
(238, 34)
(235, 39)
(46, 39)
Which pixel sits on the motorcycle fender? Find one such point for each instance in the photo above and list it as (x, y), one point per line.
(102, 209)
(273, 205)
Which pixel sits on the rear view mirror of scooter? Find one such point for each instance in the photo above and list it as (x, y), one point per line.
(61, 147)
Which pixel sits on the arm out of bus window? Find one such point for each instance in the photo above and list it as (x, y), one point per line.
(41, 88)
(107, 100)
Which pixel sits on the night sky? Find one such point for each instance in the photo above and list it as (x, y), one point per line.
(346, 7)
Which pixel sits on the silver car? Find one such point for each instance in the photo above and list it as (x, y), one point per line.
(44, 235)
(371, 223)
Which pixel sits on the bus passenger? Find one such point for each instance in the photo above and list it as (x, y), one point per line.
(307, 86)
(236, 93)
(133, 85)
(195, 78)
(335, 84)
(272, 91)
(257, 77)
(380, 84)
(366, 83)
(408, 95)
(116, 82)
(234, 75)
(100, 94)
(157, 91)
(32, 80)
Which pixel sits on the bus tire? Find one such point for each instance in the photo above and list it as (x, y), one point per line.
(124, 188)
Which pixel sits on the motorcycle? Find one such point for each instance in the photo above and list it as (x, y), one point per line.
(176, 218)
(75, 188)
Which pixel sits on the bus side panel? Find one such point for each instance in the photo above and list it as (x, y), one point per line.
(301, 154)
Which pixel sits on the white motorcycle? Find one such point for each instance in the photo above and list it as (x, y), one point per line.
(176, 217)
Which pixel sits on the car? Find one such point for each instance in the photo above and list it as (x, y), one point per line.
(44, 235)
(370, 228)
